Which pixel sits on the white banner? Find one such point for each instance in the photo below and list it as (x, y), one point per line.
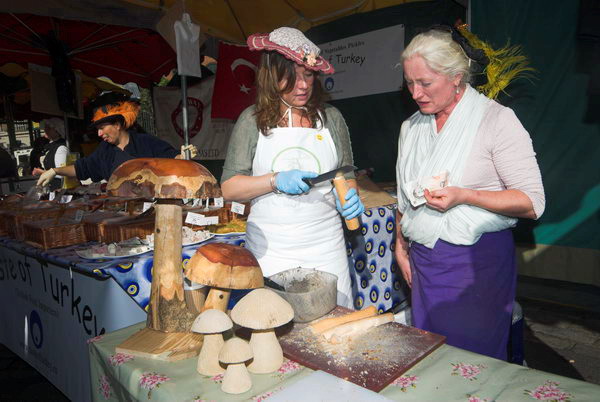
(365, 64)
(47, 314)
(209, 136)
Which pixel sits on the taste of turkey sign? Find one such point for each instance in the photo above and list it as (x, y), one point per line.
(235, 81)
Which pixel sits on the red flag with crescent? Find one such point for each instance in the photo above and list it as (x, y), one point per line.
(235, 81)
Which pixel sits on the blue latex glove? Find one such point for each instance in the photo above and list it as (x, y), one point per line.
(290, 182)
(353, 206)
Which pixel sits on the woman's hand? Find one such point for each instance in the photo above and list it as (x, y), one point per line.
(46, 177)
(37, 171)
(444, 199)
(191, 148)
(353, 206)
(290, 182)
(404, 263)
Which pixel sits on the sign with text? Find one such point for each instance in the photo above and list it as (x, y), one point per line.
(365, 64)
(48, 313)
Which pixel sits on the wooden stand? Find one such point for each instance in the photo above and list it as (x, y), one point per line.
(167, 335)
(159, 345)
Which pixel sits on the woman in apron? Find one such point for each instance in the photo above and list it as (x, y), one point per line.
(288, 135)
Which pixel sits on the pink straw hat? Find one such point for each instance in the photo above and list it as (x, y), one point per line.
(292, 43)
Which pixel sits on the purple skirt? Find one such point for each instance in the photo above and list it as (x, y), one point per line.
(466, 293)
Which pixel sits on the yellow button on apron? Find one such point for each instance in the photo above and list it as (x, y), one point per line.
(319, 137)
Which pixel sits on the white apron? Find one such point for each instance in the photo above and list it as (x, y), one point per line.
(289, 231)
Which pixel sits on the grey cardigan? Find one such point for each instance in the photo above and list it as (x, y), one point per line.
(242, 144)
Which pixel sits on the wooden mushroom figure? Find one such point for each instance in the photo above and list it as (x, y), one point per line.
(262, 310)
(223, 267)
(167, 181)
(212, 323)
(235, 353)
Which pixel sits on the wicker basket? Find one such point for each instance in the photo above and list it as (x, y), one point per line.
(94, 224)
(119, 229)
(14, 220)
(48, 233)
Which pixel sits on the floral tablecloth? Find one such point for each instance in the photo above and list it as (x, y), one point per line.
(374, 274)
(448, 374)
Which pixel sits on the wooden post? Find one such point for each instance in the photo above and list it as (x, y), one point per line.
(168, 310)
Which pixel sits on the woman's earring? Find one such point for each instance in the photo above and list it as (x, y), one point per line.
(457, 90)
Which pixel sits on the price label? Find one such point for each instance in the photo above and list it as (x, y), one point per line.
(185, 201)
(219, 202)
(237, 208)
(146, 206)
(51, 196)
(65, 199)
(78, 215)
(193, 218)
(211, 220)
(197, 202)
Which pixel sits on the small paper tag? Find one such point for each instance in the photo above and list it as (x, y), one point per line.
(211, 220)
(185, 201)
(238, 208)
(147, 206)
(65, 199)
(78, 215)
(193, 218)
(197, 202)
(51, 196)
(219, 202)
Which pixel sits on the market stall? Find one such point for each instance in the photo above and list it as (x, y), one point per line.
(88, 297)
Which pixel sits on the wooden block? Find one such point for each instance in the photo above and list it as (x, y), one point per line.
(167, 346)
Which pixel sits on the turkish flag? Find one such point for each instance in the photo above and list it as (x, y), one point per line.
(235, 81)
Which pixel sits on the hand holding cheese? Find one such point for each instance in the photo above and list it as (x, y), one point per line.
(353, 206)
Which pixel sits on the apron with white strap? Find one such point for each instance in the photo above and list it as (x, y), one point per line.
(289, 231)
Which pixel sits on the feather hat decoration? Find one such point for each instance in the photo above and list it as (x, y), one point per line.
(503, 65)
(124, 112)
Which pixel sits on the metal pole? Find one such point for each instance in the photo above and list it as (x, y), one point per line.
(66, 120)
(10, 123)
(184, 108)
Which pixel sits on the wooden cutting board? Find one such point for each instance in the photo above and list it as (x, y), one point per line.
(373, 360)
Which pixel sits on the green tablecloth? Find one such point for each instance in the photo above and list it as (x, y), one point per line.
(448, 374)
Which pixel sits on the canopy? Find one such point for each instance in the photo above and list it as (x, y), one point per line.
(235, 20)
(124, 54)
(90, 87)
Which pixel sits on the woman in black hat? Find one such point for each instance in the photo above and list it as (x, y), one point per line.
(119, 144)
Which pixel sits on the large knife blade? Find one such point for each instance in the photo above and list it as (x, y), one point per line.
(329, 175)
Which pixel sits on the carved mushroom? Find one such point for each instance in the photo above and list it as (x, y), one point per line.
(162, 178)
(262, 310)
(212, 323)
(223, 267)
(235, 353)
(167, 181)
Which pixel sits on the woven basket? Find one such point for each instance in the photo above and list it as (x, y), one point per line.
(48, 233)
(94, 224)
(119, 229)
(14, 220)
